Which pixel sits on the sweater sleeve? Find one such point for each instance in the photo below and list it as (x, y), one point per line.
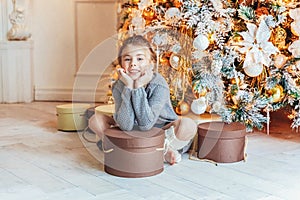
(147, 109)
(124, 115)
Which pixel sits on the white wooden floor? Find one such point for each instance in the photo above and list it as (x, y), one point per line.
(37, 162)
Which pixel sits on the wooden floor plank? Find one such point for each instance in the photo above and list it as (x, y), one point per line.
(224, 184)
(119, 194)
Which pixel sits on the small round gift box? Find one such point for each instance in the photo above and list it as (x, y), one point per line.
(72, 117)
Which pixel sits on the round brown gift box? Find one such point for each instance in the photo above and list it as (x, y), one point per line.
(221, 142)
(133, 153)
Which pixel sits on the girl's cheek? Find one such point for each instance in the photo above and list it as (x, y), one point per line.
(125, 68)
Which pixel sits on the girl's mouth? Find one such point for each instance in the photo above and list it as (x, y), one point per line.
(134, 71)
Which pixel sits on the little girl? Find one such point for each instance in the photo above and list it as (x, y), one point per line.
(142, 101)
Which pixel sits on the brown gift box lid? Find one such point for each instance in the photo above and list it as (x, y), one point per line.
(222, 130)
(135, 139)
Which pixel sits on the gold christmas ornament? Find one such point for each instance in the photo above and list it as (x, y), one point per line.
(279, 36)
(182, 108)
(149, 14)
(164, 59)
(173, 98)
(261, 11)
(177, 3)
(237, 38)
(276, 93)
(135, 1)
(235, 81)
(197, 94)
(280, 60)
(171, 91)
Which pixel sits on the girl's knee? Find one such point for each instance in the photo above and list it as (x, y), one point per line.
(189, 123)
(99, 122)
(187, 129)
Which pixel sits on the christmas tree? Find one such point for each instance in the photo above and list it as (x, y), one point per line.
(236, 58)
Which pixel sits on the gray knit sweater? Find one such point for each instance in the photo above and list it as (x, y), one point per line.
(144, 107)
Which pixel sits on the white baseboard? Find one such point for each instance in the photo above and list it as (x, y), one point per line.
(89, 87)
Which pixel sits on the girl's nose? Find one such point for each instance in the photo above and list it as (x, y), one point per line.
(133, 63)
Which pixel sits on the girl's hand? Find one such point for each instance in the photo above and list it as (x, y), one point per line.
(144, 79)
(125, 78)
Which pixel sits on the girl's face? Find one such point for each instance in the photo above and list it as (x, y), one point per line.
(136, 60)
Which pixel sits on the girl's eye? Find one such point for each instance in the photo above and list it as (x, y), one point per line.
(126, 59)
(140, 59)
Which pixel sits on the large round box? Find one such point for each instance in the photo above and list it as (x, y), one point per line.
(221, 142)
(71, 117)
(133, 154)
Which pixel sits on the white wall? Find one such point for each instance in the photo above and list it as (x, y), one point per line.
(59, 31)
(54, 49)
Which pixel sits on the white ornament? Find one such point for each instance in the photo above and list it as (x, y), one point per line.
(254, 70)
(172, 13)
(201, 42)
(198, 106)
(294, 48)
(280, 60)
(295, 13)
(295, 26)
(216, 106)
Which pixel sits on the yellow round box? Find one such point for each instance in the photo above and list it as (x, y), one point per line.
(108, 109)
(72, 117)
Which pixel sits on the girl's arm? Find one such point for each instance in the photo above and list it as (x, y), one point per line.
(147, 109)
(124, 115)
